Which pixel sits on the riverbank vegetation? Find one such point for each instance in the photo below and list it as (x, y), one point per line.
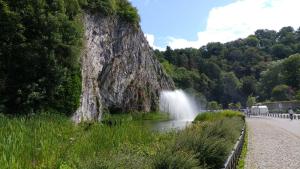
(205, 144)
(265, 66)
(50, 140)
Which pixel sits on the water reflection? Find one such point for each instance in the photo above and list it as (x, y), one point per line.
(163, 126)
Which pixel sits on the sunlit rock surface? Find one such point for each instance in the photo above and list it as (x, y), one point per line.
(119, 69)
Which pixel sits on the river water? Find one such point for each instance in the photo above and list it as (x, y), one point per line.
(163, 126)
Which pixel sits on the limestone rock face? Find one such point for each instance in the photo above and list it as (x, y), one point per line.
(119, 69)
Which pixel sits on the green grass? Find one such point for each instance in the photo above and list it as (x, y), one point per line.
(206, 144)
(213, 116)
(114, 119)
(241, 163)
(53, 141)
(49, 141)
(154, 116)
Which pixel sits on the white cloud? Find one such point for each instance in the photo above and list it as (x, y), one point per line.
(150, 38)
(242, 18)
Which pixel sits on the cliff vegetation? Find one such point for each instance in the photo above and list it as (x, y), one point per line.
(40, 46)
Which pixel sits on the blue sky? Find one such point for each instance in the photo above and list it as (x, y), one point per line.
(193, 23)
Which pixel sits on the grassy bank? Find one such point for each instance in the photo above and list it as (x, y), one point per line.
(53, 141)
(205, 144)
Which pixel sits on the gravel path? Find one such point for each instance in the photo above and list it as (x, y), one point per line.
(273, 143)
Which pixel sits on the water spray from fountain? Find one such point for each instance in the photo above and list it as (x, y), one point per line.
(178, 104)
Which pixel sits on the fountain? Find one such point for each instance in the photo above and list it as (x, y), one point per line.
(179, 105)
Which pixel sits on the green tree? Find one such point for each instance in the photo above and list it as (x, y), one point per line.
(270, 78)
(281, 93)
(251, 101)
(291, 71)
(252, 56)
(235, 55)
(127, 12)
(248, 85)
(214, 48)
(267, 38)
(212, 70)
(252, 41)
(46, 54)
(238, 105)
(169, 55)
(213, 105)
(286, 35)
(256, 63)
(281, 51)
(231, 88)
(297, 97)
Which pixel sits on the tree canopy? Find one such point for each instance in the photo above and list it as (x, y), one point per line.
(233, 71)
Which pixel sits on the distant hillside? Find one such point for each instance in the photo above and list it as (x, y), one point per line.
(231, 72)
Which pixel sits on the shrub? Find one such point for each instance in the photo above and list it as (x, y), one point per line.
(106, 7)
(42, 46)
(211, 140)
(212, 116)
(126, 11)
(167, 159)
(282, 93)
(213, 105)
(121, 8)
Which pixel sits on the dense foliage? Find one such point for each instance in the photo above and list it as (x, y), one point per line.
(40, 45)
(52, 141)
(231, 72)
(121, 8)
(205, 144)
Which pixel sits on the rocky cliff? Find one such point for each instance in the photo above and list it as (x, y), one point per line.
(119, 69)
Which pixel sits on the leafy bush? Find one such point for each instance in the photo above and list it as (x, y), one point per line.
(212, 116)
(122, 8)
(208, 141)
(211, 141)
(167, 159)
(282, 93)
(213, 105)
(126, 11)
(40, 55)
(106, 7)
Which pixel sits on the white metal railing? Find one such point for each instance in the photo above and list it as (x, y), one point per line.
(283, 115)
